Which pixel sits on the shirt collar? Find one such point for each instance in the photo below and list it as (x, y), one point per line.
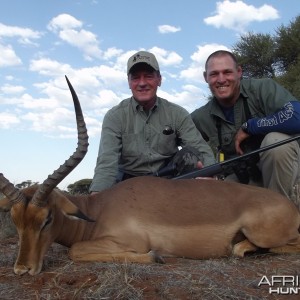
(137, 107)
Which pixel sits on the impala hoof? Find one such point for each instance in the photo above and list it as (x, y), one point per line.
(156, 257)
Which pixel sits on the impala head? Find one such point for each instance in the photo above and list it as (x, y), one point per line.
(34, 209)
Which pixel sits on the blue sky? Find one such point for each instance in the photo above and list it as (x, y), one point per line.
(90, 42)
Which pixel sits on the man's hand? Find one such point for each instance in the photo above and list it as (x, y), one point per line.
(200, 166)
(240, 136)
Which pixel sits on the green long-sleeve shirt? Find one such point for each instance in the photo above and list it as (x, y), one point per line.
(132, 140)
(264, 97)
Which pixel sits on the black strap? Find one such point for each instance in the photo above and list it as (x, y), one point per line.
(219, 122)
(218, 125)
(247, 110)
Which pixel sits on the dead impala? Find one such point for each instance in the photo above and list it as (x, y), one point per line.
(145, 219)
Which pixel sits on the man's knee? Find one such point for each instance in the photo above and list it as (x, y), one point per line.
(289, 150)
(273, 137)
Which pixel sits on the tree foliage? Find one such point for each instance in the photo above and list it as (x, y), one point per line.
(288, 44)
(277, 56)
(288, 56)
(25, 184)
(256, 53)
(79, 187)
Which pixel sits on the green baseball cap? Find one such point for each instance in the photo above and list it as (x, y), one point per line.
(142, 57)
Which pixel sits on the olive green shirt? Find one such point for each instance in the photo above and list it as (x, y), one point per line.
(132, 140)
(264, 97)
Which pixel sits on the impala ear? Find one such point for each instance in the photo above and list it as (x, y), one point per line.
(5, 205)
(69, 209)
(78, 215)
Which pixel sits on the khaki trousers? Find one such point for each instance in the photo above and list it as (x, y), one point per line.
(279, 167)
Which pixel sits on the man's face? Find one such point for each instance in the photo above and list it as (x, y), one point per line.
(223, 78)
(143, 83)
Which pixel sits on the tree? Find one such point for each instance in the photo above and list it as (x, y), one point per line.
(291, 79)
(288, 44)
(25, 184)
(256, 55)
(79, 187)
(277, 57)
(288, 56)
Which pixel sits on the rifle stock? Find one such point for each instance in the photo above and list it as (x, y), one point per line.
(219, 168)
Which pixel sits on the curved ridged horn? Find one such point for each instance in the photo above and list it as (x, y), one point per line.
(12, 193)
(39, 198)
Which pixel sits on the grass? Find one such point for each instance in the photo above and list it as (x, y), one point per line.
(225, 278)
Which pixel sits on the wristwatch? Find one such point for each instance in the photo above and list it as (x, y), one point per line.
(244, 127)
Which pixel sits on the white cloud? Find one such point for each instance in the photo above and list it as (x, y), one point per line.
(94, 126)
(38, 104)
(69, 29)
(26, 35)
(85, 40)
(168, 29)
(106, 99)
(62, 22)
(122, 58)
(7, 120)
(110, 76)
(51, 120)
(112, 53)
(190, 97)
(8, 57)
(94, 86)
(58, 122)
(195, 71)
(9, 77)
(12, 89)
(237, 15)
(46, 66)
(166, 58)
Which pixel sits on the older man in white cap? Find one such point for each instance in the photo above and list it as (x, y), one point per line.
(142, 134)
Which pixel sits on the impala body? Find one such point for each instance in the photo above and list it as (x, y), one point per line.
(147, 218)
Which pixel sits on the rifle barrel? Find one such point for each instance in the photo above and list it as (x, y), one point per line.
(217, 168)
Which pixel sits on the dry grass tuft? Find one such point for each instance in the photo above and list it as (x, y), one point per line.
(227, 278)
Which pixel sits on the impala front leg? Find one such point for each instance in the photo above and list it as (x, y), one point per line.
(242, 247)
(109, 251)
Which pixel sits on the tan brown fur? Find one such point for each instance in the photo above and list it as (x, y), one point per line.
(146, 218)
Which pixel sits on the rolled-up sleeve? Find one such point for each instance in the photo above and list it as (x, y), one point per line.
(106, 169)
